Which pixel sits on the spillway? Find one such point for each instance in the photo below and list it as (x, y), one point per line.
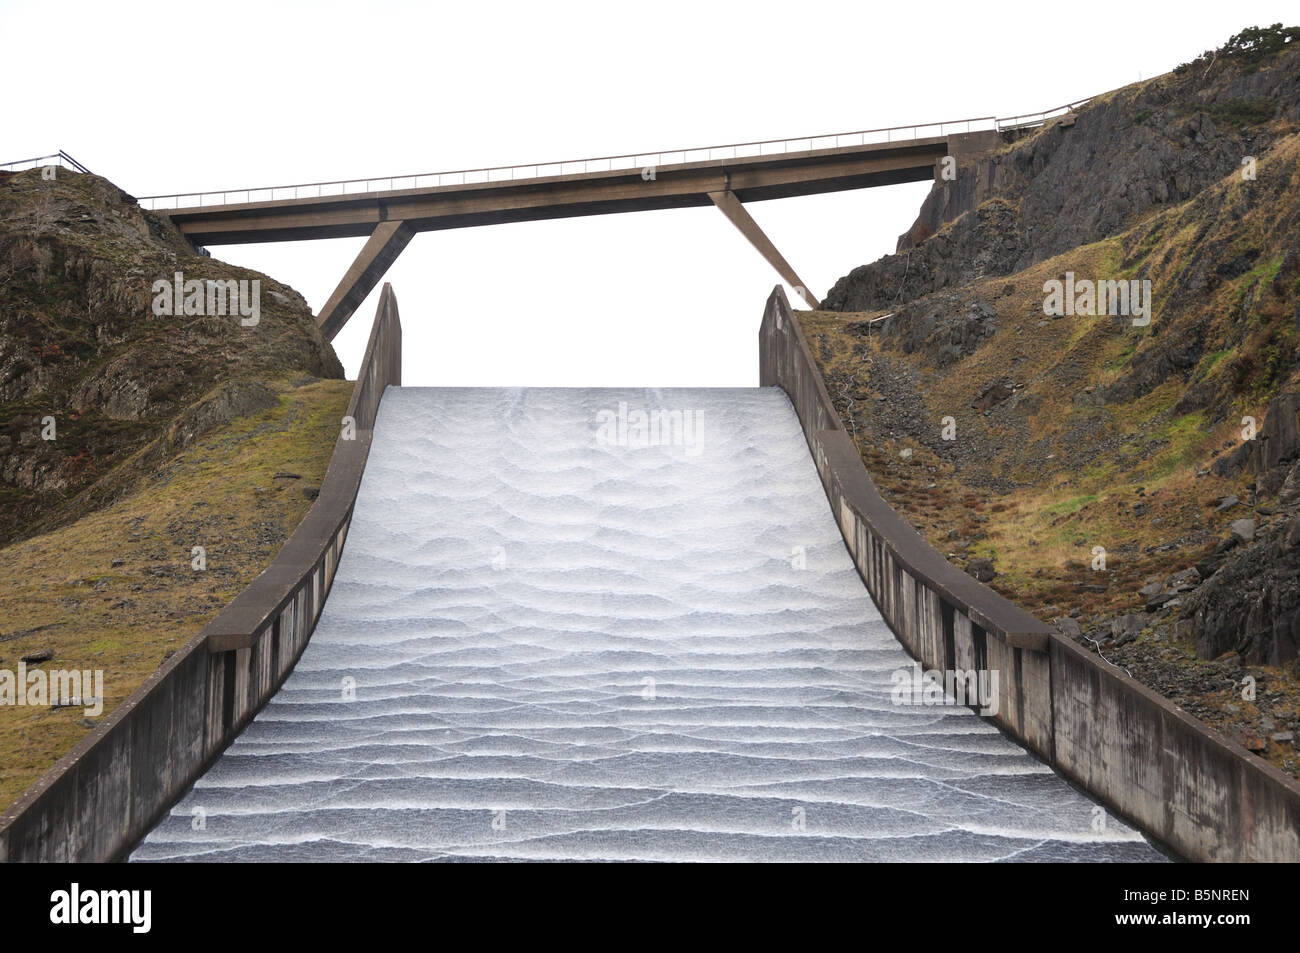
(553, 637)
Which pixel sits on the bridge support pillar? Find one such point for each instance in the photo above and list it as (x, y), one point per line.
(381, 250)
(736, 212)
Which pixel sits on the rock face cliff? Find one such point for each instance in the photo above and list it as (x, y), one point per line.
(1170, 448)
(94, 387)
(1127, 153)
(1250, 601)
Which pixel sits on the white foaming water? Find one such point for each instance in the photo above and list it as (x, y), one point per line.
(567, 648)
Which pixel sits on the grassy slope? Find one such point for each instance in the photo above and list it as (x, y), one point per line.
(1125, 475)
(63, 592)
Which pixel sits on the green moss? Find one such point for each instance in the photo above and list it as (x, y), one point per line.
(1275, 361)
(1101, 473)
(1148, 244)
(1210, 361)
(1121, 359)
(1067, 535)
(1183, 438)
(1070, 506)
(1268, 271)
(1243, 112)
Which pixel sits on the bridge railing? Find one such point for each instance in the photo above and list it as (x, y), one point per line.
(59, 158)
(628, 162)
(514, 173)
(1030, 120)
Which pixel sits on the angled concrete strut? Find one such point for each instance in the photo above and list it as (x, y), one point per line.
(735, 210)
(381, 250)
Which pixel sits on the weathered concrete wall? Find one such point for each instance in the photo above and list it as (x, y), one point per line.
(107, 793)
(1182, 782)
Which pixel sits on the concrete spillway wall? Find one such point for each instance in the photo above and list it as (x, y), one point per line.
(111, 789)
(1181, 781)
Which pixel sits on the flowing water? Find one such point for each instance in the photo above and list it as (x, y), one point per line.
(549, 639)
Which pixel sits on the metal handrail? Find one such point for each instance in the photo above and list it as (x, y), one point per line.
(506, 173)
(1037, 119)
(60, 158)
(630, 161)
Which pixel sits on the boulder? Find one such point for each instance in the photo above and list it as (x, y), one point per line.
(1243, 529)
(981, 569)
(1279, 438)
(1069, 628)
(1250, 604)
(1125, 628)
(1159, 599)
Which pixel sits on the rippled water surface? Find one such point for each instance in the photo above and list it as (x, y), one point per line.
(564, 645)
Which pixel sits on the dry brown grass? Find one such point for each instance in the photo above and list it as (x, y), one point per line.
(64, 593)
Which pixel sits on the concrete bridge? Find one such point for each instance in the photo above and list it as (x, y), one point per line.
(495, 618)
(390, 211)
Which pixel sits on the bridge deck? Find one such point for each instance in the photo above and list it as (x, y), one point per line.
(680, 185)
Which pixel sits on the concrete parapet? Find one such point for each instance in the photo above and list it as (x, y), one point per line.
(98, 800)
(1182, 782)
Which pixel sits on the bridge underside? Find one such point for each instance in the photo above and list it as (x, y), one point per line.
(391, 218)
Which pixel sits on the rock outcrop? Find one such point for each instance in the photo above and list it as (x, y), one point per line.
(1251, 603)
(89, 375)
(1150, 145)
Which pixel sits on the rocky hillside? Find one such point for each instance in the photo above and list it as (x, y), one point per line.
(79, 343)
(1128, 153)
(168, 433)
(1139, 483)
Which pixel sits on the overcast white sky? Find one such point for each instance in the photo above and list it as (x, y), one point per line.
(174, 97)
